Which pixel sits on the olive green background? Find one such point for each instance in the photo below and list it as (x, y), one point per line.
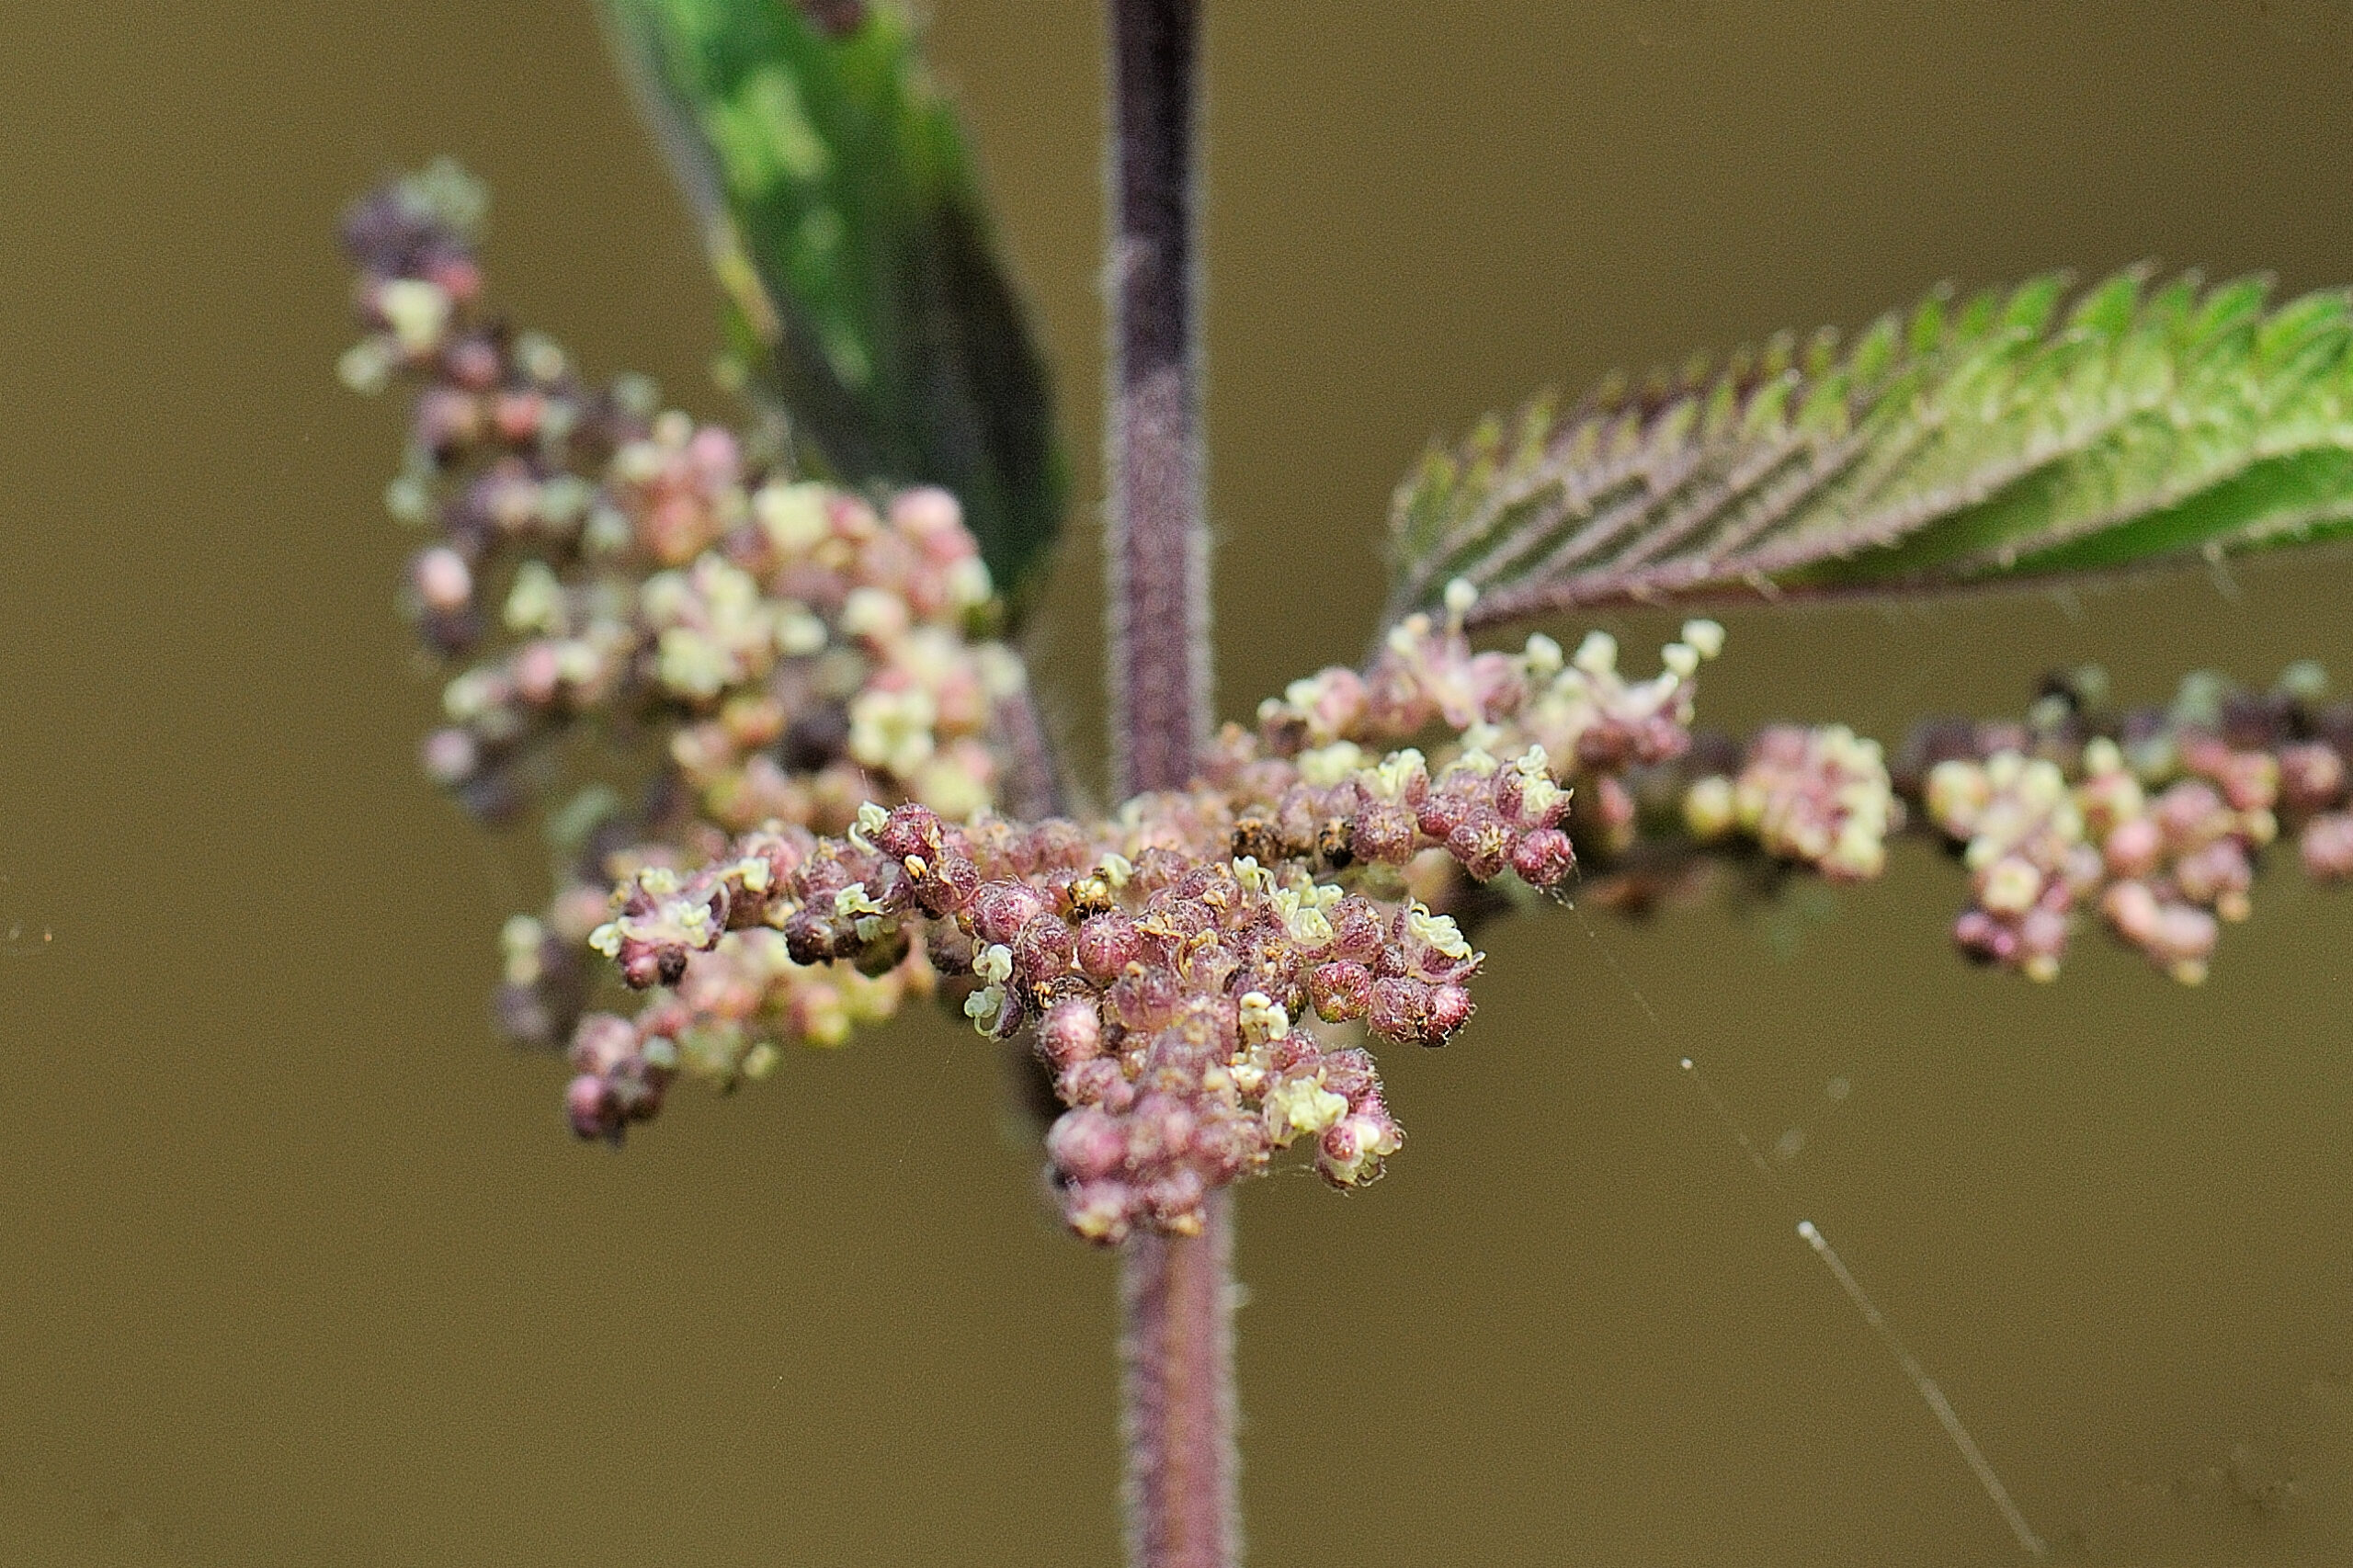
(296, 1265)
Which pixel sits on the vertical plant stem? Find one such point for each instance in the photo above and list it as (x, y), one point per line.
(1178, 1350)
(1158, 549)
(1177, 1341)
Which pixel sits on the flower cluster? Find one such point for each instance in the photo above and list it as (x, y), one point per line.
(1194, 969)
(1816, 796)
(1200, 970)
(2155, 818)
(809, 651)
(1169, 983)
(796, 649)
(1596, 729)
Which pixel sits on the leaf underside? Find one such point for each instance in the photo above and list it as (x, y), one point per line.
(842, 213)
(2013, 436)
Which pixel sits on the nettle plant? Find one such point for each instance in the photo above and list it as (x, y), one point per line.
(803, 631)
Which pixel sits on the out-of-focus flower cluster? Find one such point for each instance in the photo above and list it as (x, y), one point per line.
(1815, 797)
(812, 651)
(794, 649)
(2153, 817)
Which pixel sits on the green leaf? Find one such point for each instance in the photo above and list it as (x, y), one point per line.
(2012, 436)
(842, 213)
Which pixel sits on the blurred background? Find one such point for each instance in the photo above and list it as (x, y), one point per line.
(297, 1265)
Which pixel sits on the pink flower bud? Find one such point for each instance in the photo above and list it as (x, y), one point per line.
(471, 362)
(1481, 845)
(590, 1105)
(2131, 907)
(1086, 1145)
(1042, 950)
(811, 937)
(601, 1042)
(645, 964)
(1382, 832)
(1107, 945)
(2134, 849)
(1544, 858)
(1450, 1009)
(1439, 815)
(1398, 1009)
(1357, 930)
(1097, 1081)
(1146, 999)
(2212, 874)
(1613, 807)
(516, 416)
(450, 757)
(1341, 991)
(931, 515)
(2187, 812)
(1981, 937)
(1102, 1211)
(1072, 1032)
(909, 830)
(446, 585)
(2312, 776)
(1001, 909)
(1175, 1200)
(2326, 846)
(948, 885)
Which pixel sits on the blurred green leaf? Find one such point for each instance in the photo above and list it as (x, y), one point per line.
(842, 213)
(2009, 436)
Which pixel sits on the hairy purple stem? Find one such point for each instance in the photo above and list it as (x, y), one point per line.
(1033, 786)
(1158, 549)
(1177, 1348)
(1176, 1343)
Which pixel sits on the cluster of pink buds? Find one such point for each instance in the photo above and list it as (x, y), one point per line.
(2155, 818)
(1816, 796)
(1595, 727)
(1169, 981)
(1193, 970)
(810, 650)
(798, 649)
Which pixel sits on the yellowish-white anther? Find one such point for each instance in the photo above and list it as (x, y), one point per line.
(416, 310)
(1328, 765)
(1397, 771)
(536, 601)
(1262, 1019)
(1301, 1105)
(1437, 932)
(1460, 595)
(1538, 793)
(854, 901)
(1598, 655)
